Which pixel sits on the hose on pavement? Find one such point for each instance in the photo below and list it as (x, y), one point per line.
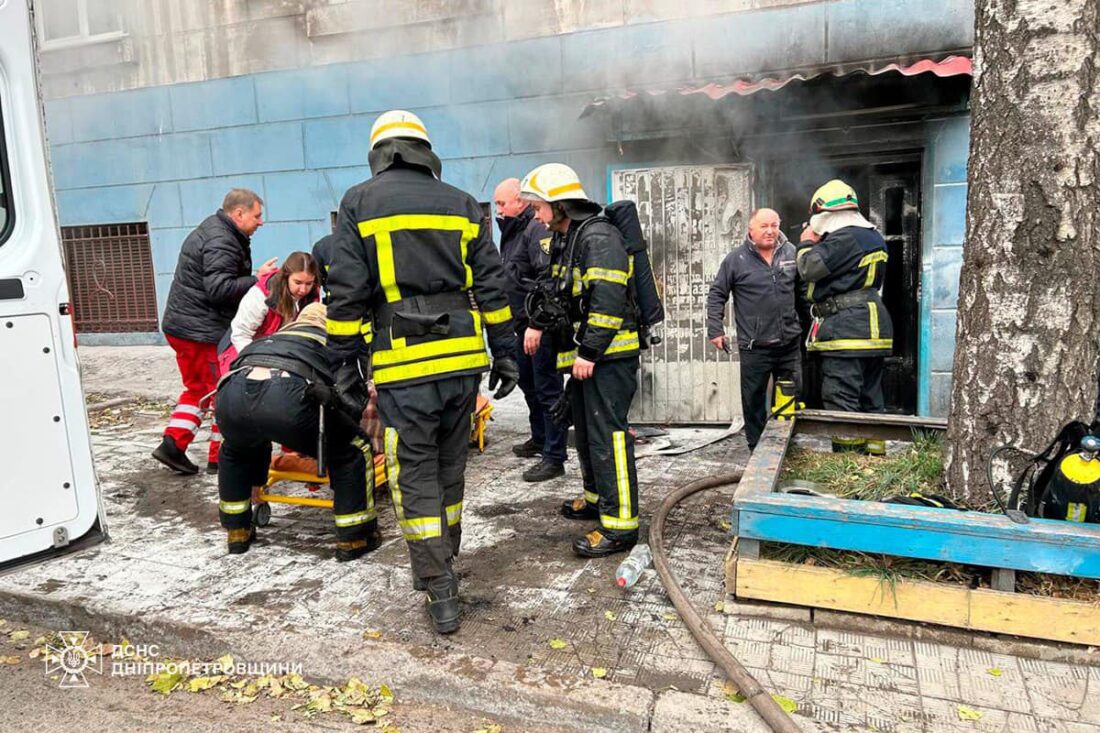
(762, 702)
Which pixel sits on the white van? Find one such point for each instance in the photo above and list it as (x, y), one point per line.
(49, 497)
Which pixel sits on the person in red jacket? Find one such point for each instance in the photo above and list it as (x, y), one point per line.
(213, 273)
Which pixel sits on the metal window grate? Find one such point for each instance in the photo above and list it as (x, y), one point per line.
(110, 268)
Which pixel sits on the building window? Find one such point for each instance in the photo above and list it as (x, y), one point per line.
(75, 22)
(110, 268)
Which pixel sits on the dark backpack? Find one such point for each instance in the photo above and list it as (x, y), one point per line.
(624, 215)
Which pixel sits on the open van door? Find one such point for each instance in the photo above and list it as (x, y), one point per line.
(49, 497)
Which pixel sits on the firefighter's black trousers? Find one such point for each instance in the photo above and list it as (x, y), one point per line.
(757, 366)
(605, 446)
(253, 414)
(426, 439)
(853, 384)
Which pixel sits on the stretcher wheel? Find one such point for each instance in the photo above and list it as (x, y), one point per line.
(261, 515)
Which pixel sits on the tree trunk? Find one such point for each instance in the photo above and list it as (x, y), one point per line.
(1028, 330)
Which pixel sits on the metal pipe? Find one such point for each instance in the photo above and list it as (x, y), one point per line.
(757, 696)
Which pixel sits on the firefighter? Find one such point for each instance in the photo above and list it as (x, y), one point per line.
(272, 393)
(409, 252)
(842, 260)
(599, 348)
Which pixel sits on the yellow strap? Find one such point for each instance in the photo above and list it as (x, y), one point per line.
(350, 520)
(454, 514)
(431, 367)
(872, 314)
(609, 522)
(343, 328)
(851, 344)
(421, 528)
(428, 349)
(602, 273)
(383, 227)
(500, 315)
(602, 320)
(234, 507)
(622, 476)
(623, 341)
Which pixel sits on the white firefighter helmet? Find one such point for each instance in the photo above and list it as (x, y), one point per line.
(398, 123)
(552, 182)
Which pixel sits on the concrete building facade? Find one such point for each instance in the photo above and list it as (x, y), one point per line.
(152, 118)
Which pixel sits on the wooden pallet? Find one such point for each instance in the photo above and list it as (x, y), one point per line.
(972, 538)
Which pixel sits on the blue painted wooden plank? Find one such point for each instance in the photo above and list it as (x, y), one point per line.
(934, 534)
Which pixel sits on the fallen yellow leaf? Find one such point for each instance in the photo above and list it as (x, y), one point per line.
(372, 634)
(720, 606)
(599, 672)
(19, 635)
(164, 682)
(995, 671)
(199, 684)
(966, 713)
(609, 615)
(362, 717)
(226, 662)
(386, 693)
(558, 644)
(876, 660)
(787, 704)
(10, 660)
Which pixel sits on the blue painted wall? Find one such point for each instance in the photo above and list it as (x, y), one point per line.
(167, 155)
(944, 217)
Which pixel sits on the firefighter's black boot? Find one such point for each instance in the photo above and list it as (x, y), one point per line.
(443, 603)
(240, 540)
(544, 470)
(353, 549)
(596, 544)
(170, 455)
(527, 449)
(579, 509)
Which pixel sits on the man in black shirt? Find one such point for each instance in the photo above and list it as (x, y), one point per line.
(760, 274)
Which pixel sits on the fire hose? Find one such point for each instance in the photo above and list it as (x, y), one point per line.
(762, 702)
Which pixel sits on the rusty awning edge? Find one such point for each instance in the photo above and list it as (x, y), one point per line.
(953, 65)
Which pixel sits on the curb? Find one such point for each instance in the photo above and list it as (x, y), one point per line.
(497, 689)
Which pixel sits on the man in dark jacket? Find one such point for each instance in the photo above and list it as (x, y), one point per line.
(273, 392)
(410, 251)
(842, 258)
(597, 344)
(213, 273)
(525, 253)
(761, 275)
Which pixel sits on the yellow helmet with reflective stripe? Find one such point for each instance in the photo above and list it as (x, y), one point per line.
(552, 182)
(398, 123)
(836, 195)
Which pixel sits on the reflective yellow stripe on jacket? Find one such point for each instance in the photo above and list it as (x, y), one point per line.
(382, 229)
(403, 362)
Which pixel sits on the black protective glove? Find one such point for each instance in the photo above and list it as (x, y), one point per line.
(561, 412)
(505, 371)
(351, 390)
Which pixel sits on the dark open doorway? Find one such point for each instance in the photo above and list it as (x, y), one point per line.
(889, 192)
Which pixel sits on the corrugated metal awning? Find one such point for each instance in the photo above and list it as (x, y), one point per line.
(954, 65)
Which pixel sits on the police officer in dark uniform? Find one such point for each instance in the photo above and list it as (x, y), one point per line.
(842, 258)
(590, 267)
(525, 252)
(272, 394)
(410, 251)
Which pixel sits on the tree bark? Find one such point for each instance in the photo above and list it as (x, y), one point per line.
(1028, 331)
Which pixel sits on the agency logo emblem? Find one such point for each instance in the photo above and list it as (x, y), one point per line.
(72, 659)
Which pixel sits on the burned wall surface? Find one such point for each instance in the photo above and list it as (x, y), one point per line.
(279, 96)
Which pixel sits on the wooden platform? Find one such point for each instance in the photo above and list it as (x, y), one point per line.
(759, 514)
(1053, 619)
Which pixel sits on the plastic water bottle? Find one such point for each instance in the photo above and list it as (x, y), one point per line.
(631, 568)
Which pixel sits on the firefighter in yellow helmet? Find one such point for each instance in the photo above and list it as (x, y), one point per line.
(842, 259)
(596, 338)
(410, 259)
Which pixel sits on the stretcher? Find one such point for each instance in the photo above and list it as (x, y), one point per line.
(299, 469)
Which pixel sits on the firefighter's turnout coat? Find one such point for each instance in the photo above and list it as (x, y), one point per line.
(409, 252)
(844, 273)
